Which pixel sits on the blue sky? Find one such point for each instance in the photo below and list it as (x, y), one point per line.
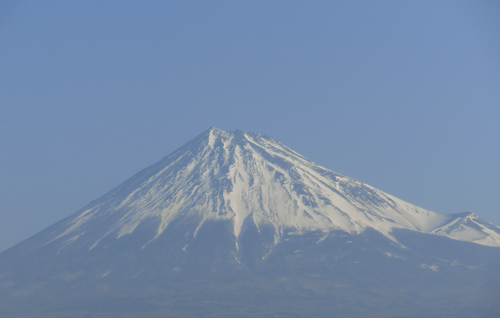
(404, 96)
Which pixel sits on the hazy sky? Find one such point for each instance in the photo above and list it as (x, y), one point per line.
(402, 95)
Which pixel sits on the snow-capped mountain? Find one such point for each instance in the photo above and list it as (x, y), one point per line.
(237, 224)
(248, 177)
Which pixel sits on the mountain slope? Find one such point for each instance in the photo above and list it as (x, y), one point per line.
(240, 177)
(236, 223)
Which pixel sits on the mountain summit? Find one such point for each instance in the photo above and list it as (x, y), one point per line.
(235, 223)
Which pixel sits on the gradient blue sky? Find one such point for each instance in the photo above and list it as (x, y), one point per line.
(404, 96)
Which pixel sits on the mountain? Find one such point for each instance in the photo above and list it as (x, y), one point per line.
(236, 223)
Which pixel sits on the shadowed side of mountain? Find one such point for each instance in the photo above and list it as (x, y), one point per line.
(316, 273)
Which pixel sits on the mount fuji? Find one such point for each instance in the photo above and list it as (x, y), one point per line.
(235, 223)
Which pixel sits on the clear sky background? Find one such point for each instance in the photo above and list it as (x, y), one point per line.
(402, 95)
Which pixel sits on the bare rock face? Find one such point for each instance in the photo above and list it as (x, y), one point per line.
(236, 223)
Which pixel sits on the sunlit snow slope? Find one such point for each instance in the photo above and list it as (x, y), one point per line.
(242, 177)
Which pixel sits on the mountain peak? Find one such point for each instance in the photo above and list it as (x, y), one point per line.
(250, 179)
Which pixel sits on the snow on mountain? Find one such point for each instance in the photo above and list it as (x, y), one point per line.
(249, 177)
(469, 227)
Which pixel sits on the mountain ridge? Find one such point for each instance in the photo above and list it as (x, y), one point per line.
(234, 175)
